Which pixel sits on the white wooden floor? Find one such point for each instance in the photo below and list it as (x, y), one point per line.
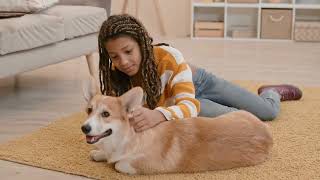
(55, 91)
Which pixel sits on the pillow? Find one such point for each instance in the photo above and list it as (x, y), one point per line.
(26, 6)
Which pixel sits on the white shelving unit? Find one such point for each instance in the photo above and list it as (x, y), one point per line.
(250, 15)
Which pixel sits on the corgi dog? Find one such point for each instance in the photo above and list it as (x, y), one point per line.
(196, 144)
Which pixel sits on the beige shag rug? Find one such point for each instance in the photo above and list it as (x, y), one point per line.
(296, 153)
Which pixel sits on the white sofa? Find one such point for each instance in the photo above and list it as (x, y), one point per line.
(51, 36)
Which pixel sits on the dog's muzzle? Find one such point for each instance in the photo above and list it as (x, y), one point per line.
(93, 139)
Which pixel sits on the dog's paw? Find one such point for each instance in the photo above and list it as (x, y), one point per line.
(125, 167)
(97, 155)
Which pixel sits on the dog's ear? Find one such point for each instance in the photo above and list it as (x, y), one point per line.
(90, 88)
(133, 98)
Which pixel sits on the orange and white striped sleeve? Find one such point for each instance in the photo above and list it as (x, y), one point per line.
(181, 89)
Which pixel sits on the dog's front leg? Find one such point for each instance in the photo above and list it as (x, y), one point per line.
(98, 155)
(124, 166)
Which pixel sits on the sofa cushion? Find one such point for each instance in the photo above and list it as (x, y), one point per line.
(79, 20)
(26, 6)
(29, 31)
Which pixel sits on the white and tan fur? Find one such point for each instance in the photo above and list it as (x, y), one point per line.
(186, 145)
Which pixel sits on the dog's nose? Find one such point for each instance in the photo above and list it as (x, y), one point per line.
(86, 128)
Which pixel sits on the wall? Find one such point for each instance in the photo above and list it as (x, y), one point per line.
(99, 3)
(176, 15)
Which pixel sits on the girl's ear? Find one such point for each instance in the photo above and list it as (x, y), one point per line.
(132, 98)
(90, 88)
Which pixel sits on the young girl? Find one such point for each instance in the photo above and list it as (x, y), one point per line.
(173, 89)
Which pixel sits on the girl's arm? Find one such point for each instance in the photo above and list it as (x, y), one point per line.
(183, 93)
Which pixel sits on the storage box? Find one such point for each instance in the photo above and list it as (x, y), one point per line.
(207, 1)
(243, 31)
(307, 31)
(203, 1)
(276, 24)
(244, 34)
(279, 1)
(209, 29)
(208, 25)
(208, 33)
(242, 1)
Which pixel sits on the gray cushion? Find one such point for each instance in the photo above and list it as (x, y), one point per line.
(79, 20)
(29, 31)
(23, 61)
(25, 5)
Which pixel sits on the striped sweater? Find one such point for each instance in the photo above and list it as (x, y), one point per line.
(177, 98)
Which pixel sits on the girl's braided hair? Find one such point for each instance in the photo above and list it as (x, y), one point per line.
(112, 81)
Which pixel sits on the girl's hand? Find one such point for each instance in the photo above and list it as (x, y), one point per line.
(143, 118)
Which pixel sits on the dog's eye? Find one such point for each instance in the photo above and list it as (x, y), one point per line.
(105, 114)
(89, 110)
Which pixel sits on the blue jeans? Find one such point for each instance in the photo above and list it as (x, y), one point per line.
(218, 96)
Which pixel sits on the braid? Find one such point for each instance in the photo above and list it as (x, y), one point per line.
(114, 82)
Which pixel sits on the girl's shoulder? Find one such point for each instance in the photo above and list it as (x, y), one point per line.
(167, 54)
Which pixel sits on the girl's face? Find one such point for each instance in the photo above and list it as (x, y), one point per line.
(125, 54)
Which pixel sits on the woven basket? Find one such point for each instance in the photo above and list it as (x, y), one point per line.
(307, 31)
